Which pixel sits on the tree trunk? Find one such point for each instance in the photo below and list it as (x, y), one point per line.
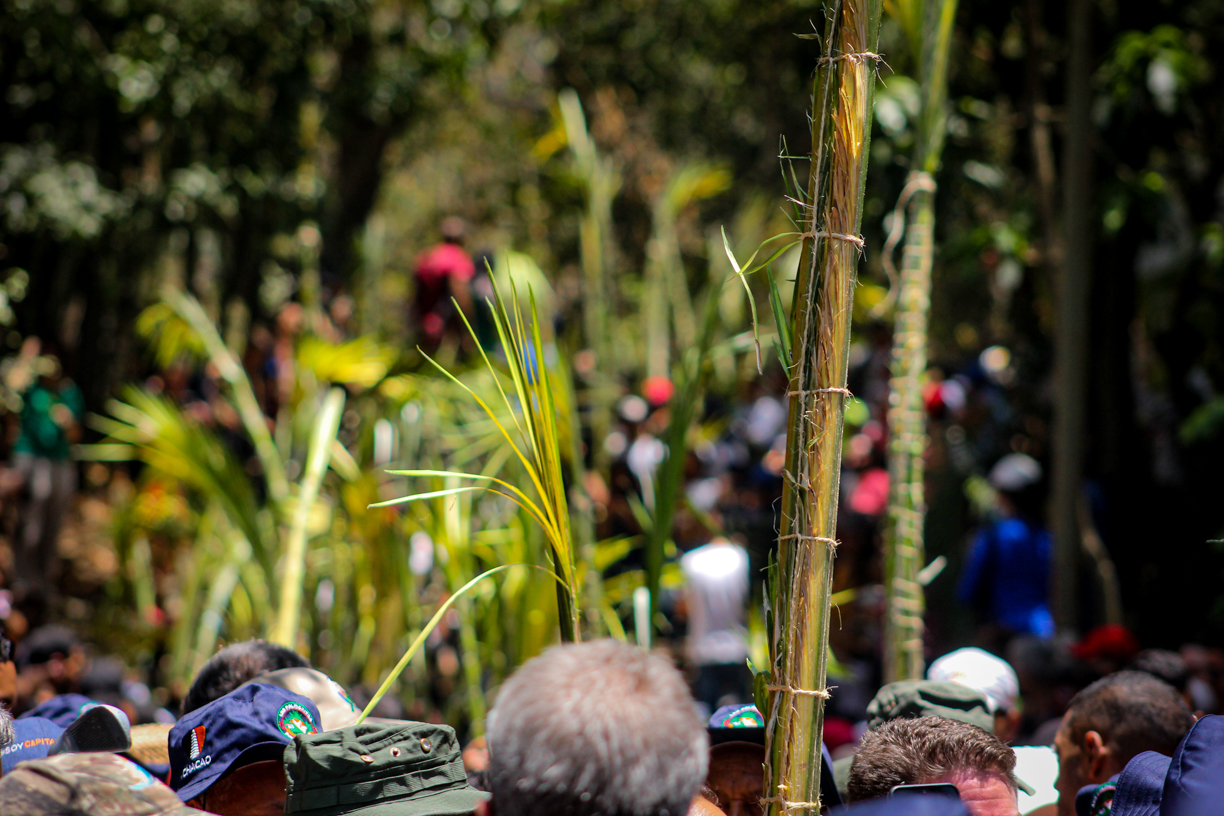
(803, 574)
(1071, 338)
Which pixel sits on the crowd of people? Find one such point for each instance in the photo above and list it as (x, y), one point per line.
(601, 728)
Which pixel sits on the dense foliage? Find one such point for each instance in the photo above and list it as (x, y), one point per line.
(249, 153)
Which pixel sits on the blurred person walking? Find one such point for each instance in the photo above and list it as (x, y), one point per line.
(50, 423)
(716, 596)
(1007, 574)
(443, 275)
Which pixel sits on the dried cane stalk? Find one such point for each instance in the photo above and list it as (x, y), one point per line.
(802, 576)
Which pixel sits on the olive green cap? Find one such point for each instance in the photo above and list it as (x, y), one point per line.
(907, 699)
(388, 768)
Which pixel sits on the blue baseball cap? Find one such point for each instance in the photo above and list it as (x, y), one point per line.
(33, 737)
(250, 724)
(1137, 792)
(61, 709)
(1192, 785)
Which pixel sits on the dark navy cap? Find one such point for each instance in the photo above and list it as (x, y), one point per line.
(1194, 785)
(916, 805)
(33, 737)
(1189, 784)
(250, 724)
(61, 709)
(1139, 785)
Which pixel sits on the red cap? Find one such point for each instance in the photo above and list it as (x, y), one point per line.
(1110, 641)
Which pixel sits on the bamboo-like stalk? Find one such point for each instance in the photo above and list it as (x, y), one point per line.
(602, 181)
(803, 574)
(904, 551)
(285, 629)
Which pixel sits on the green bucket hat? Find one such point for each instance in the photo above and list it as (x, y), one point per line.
(388, 768)
(930, 698)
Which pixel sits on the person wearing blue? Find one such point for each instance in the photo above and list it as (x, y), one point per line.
(1006, 577)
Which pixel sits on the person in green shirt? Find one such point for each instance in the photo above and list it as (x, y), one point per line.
(50, 422)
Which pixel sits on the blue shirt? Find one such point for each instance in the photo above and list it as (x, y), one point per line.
(1009, 568)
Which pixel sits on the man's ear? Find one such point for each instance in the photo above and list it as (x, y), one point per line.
(1097, 757)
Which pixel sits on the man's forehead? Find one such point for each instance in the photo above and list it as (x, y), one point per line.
(977, 780)
(984, 794)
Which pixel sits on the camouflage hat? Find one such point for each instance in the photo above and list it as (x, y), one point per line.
(389, 768)
(87, 785)
(930, 698)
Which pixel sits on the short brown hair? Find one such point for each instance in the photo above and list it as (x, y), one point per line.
(921, 750)
(1133, 712)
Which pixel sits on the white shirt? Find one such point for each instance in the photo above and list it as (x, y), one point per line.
(1036, 765)
(717, 592)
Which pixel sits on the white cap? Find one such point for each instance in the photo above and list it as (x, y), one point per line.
(981, 671)
(1014, 472)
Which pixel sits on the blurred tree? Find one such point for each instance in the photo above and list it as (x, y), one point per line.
(176, 139)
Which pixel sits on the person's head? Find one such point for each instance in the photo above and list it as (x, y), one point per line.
(8, 671)
(227, 756)
(936, 750)
(1017, 480)
(1110, 722)
(236, 664)
(6, 727)
(453, 229)
(336, 708)
(595, 728)
(737, 777)
(992, 676)
(51, 660)
(1168, 666)
(703, 806)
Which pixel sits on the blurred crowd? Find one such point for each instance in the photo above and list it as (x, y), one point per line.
(600, 727)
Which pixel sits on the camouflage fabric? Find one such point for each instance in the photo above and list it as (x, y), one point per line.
(87, 785)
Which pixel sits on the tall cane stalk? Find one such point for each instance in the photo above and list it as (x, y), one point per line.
(904, 549)
(803, 574)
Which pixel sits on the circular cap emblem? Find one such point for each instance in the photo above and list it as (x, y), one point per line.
(294, 720)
